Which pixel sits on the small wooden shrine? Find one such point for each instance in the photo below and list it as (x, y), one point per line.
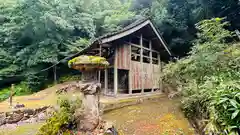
(134, 54)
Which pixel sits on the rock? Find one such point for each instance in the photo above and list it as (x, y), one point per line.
(19, 106)
(33, 120)
(42, 116)
(2, 119)
(29, 111)
(15, 118)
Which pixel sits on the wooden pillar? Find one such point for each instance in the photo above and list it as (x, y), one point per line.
(141, 60)
(160, 72)
(151, 63)
(130, 71)
(106, 81)
(115, 73)
(100, 54)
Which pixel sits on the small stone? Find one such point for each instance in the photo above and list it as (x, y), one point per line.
(19, 106)
(2, 118)
(42, 116)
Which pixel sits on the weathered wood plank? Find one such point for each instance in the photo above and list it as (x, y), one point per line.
(116, 73)
(105, 81)
(141, 60)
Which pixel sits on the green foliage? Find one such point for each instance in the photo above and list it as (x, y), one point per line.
(209, 78)
(63, 117)
(176, 19)
(67, 78)
(19, 90)
(35, 34)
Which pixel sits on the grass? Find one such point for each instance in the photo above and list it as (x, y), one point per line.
(26, 129)
(20, 89)
(46, 97)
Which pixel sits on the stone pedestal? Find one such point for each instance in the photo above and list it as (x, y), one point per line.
(88, 119)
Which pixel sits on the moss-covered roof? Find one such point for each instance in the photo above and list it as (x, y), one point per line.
(85, 62)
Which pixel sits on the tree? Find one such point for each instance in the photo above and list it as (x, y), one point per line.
(38, 33)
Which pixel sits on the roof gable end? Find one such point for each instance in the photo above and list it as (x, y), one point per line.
(131, 29)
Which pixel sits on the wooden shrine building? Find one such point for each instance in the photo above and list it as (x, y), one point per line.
(134, 54)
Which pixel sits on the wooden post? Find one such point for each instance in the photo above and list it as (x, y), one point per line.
(141, 60)
(106, 81)
(115, 73)
(11, 94)
(151, 63)
(100, 54)
(130, 71)
(160, 69)
(55, 74)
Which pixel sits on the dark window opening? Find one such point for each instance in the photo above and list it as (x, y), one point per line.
(136, 91)
(135, 49)
(154, 55)
(123, 81)
(146, 43)
(146, 60)
(155, 61)
(135, 57)
(147, 90)
(146, 53)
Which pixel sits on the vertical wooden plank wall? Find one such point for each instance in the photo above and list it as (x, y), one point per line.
(145, 75)
(123, 59)
(130, 71)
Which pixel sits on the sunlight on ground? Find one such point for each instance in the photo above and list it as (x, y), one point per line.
(43, 98)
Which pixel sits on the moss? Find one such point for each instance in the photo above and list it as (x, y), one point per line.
(88, 63)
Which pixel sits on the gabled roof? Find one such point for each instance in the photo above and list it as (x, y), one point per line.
(133, 27)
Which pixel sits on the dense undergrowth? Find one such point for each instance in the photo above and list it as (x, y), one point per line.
(209, 79)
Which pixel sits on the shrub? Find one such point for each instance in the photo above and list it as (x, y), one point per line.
(58, 123)
(69, 78)
(210, 79)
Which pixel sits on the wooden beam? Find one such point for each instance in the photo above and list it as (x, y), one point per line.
(130, 71)
(142, 47)
(100, 54)
(151, 62)
(106, 45)
(115, 73)
(106, 81)
(160, 38)
(141, 60)
(160, 68)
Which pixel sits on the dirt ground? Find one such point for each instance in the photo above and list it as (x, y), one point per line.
(162, 117)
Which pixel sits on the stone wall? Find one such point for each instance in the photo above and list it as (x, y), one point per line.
(26, 115)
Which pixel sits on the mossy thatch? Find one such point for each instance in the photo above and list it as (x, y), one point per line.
(84, 63)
